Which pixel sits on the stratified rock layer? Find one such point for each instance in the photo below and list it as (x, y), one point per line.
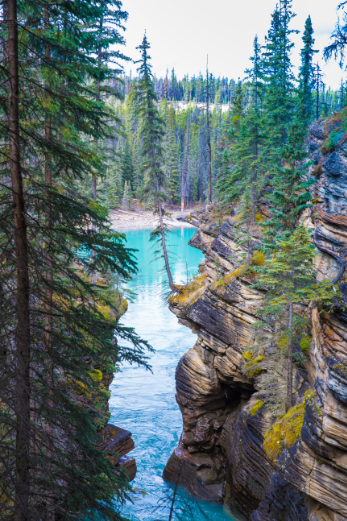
(221, 456)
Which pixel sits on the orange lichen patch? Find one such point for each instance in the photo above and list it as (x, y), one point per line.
(256, 407)
(286, 430)
(190, 293)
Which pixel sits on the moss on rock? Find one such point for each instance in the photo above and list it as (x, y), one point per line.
(253, 367)
(286, 430)
(190, 293)
(256, 407)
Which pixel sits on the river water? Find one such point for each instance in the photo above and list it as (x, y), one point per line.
(144, 402)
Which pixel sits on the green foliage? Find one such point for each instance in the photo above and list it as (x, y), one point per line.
(289, 275)
(74, 329)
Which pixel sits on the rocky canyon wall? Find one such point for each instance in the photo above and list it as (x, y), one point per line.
(300, 473)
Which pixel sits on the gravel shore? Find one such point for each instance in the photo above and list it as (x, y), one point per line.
(123, 220)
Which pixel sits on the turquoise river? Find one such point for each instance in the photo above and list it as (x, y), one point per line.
(144, 402)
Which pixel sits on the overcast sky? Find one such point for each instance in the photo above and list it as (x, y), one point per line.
(183, 32)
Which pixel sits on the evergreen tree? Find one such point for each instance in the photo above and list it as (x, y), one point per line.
(55, 331)
(152, 133)
(208, 136)
(295, 149)
(171, 157)
(127, 167)
(306, 74)
(116, 184)
(279, 77)
(126, 196)
(339, 36)
(290, 279)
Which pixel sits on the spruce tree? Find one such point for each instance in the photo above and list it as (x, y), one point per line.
(306, 73)
(127, 167)
(295, 149)
(171, 156)
(59, 326)
(152, 133)
(279, 78)
(290, 279)
(208, 136)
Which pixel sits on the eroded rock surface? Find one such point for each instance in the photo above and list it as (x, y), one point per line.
(221, 456)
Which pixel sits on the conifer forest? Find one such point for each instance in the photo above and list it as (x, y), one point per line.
(257, 165)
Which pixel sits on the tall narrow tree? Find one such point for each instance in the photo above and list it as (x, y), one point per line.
(22, 344)
(152, 133)
(208, 136)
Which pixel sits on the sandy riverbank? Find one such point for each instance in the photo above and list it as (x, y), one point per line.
(123, 220)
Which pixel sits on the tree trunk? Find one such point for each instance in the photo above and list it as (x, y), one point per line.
(255, 170)
(49, 292)
(21, 247)
(163, 242)
(289, 402)
(98, 98)
(186, 168)
(208, 142)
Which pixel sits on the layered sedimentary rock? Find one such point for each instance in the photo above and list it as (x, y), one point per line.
(221, 455)
(118, 442)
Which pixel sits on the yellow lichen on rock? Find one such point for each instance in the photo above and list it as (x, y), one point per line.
(256, 407)
(253, 368)
(190, 293)
(230, 277)
(286, 430)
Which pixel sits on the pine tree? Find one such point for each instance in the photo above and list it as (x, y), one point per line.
(306, 74)
(54, 333)
(279, 77)
(126, 196)
(152, 133)
(290, 279)
(171, 156)
(127, 167)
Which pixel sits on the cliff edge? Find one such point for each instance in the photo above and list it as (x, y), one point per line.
(228, 452)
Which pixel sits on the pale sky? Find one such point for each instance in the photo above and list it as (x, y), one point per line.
(183, 32)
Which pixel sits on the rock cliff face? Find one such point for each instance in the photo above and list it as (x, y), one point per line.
(221, 455)
(115, 441)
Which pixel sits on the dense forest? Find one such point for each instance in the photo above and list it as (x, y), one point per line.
(182, 106)
(78, 139)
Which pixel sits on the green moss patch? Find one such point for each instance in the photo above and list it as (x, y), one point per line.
(286, 430)
(253, 367)
(256, 407)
